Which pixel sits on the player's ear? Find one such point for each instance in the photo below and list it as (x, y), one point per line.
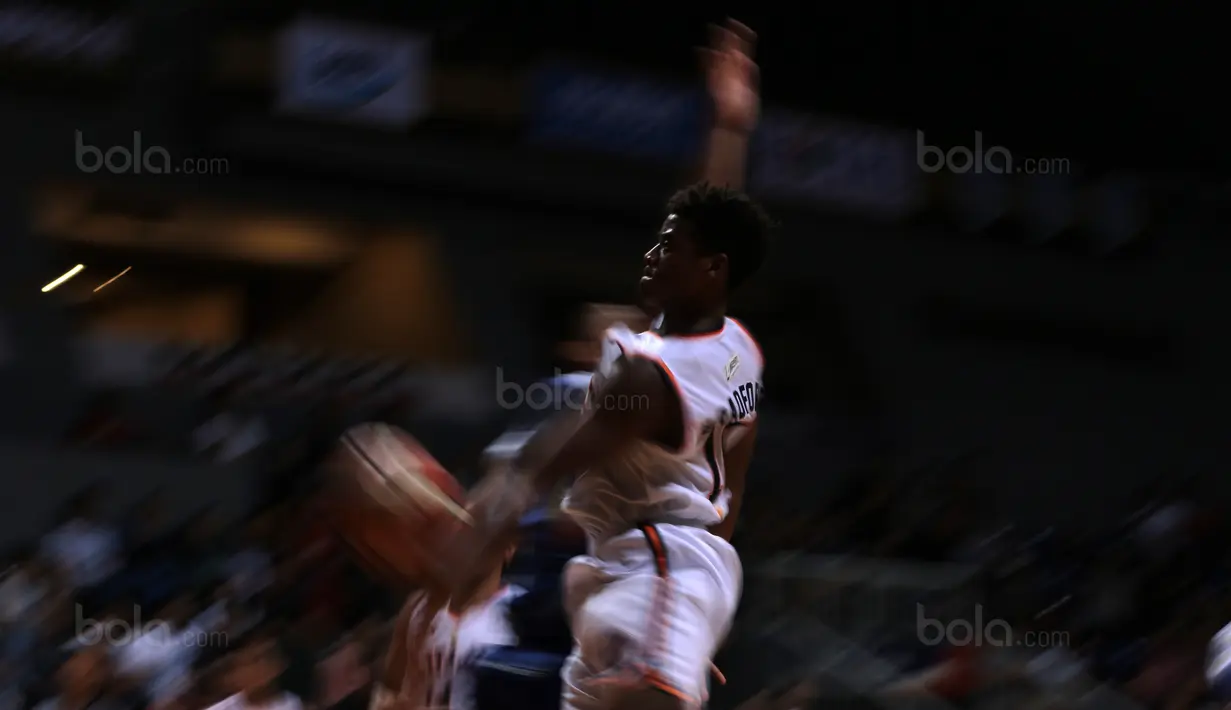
(718, 264)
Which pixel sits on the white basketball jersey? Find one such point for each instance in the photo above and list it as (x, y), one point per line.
(717, 378)
(455, 641)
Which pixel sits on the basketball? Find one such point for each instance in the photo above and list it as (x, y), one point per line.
(392, 503)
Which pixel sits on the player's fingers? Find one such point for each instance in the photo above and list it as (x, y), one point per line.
(744, 32)
(743, 40)
(722, 39)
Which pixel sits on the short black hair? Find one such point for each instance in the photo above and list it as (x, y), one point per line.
(725, 221)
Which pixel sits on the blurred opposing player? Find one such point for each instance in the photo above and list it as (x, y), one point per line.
(662, 448)
(435, 642)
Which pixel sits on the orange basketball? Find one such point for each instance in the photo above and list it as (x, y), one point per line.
(392, 503)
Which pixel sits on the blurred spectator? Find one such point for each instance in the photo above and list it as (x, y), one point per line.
(23, 586)
(156, 562)
(84, 547)
(83, 683)
(232, 430)
(105, 424)
(161, 652)
(1168, 526)
(11, 696)
(251, 677)
(146, 524)
(250, 568)
(205, 541)
(1061, 669)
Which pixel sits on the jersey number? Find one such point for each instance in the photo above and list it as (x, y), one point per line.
(715, 460)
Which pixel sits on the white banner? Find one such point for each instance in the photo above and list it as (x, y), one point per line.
(352, 74)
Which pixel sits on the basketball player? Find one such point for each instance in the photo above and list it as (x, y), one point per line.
(434, 642)
(661, 451)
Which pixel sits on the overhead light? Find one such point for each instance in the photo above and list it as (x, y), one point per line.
(65, 277)
(111, 280)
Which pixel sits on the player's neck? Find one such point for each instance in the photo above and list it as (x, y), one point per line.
(683, 323)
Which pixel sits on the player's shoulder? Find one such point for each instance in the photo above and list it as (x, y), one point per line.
(620, 336)
(719, 354)
(739, 333)
(733, 340)
(617, 342)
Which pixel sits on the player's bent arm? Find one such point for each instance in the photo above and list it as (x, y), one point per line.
(572, 444)
(564, 446)
(740, 443)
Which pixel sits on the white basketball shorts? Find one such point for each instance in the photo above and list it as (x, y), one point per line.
(650, 606)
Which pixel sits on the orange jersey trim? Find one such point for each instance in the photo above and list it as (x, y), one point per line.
(692, 336)
(658, 621)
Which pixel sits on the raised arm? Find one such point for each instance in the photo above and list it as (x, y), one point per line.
(732, 79)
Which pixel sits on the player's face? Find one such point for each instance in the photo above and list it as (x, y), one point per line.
(675, 269)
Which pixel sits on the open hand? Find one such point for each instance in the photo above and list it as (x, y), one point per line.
(732, 76)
